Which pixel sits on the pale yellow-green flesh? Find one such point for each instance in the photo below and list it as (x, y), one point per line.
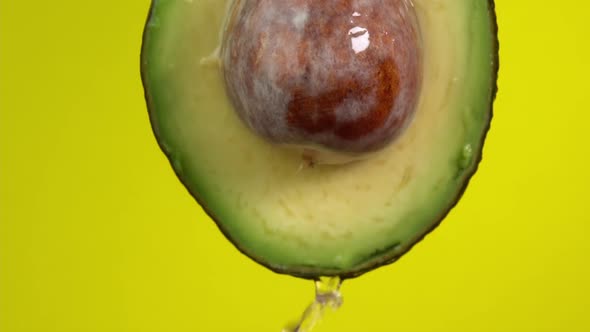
(326, 219)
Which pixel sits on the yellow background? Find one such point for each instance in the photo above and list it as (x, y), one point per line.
(96, 233)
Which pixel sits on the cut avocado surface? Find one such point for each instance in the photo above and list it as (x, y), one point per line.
(326, 220)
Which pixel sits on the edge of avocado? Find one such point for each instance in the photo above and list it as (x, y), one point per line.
(374, 261)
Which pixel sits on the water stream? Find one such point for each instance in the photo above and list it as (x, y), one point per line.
(327, 297)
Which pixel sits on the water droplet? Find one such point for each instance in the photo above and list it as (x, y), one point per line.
(165, 147)
(154, 22)
(466, 157)
(177, 165)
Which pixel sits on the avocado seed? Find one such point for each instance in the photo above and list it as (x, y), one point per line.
(335, 75)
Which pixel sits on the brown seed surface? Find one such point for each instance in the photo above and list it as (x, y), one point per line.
(341, 74)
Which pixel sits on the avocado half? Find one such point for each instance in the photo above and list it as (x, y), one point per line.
(326, 220)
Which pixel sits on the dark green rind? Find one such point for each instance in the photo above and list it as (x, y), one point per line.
(377, 259)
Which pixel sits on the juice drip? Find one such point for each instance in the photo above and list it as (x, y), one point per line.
(327, 297)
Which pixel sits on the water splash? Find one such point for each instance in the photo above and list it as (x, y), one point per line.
(327, 296)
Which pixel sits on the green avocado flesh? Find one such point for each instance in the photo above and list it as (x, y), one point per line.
(325, 220)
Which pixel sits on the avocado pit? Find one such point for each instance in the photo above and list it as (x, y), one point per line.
(336, 76)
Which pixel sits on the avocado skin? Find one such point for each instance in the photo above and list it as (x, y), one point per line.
(376, 260)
